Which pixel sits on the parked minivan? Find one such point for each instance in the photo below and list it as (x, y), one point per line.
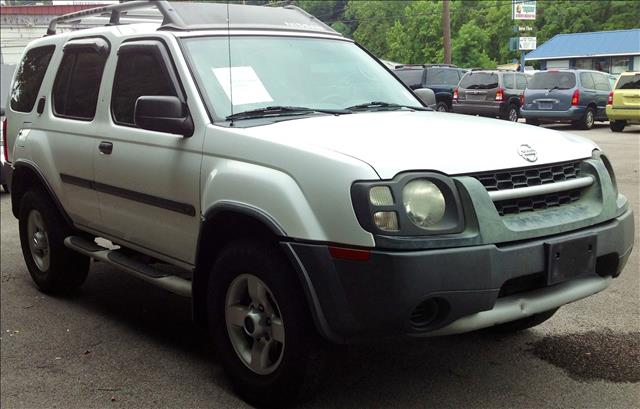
(576, 96)
(490, 93)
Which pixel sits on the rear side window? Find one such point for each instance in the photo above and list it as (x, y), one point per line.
(479, 80)
(629, 82)
(509, 81)
(411, 78)
(553, 79)
(29, 76)
(587, 80)
(521, 81)
(75, 92)
(442, 76)
(602, 82)
(137, 74)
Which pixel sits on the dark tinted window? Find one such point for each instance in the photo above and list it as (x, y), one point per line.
(411, 78)
(587, 81)
(75, 92)
(552, 79)
(509, 81)
(137, 74)
(442, 76)
(521, 81)
(629, 82)
(602, 82)
(479, 80)
(29, 76)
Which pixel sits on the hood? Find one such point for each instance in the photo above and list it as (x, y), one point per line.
(398, 141)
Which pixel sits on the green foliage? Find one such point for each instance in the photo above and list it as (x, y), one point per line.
(410, 31)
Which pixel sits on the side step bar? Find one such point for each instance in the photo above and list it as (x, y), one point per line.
(172, 283)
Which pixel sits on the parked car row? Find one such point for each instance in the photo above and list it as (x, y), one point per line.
(579, 97)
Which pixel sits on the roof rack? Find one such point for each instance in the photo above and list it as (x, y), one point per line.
(170, 17)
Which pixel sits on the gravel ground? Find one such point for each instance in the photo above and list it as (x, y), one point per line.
(122, 344)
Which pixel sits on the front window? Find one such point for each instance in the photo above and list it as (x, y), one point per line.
(289, 71)
(552, 80)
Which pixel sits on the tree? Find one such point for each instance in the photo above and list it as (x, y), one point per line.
(469, 48)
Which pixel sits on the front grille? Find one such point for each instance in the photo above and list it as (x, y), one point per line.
(532, 176)
(529, 204)
(525, 177)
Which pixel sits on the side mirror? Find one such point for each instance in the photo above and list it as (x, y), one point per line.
(427, 96)
(163, 114)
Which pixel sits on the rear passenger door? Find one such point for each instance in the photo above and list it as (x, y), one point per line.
(148, 182)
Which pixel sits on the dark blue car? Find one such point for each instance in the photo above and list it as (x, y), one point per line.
(575, 96)
(440, 78)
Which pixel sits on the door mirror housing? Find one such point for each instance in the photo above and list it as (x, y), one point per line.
(427, 96)
(163, 114)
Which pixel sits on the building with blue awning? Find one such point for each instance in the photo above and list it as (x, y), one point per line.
(609, 51)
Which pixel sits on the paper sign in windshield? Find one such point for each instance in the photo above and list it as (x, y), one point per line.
(247, 87)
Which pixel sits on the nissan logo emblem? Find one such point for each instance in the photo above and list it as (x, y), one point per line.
(528, 153)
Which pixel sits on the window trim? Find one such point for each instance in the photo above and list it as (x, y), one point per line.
(158, 48)
(33, 106)
(98, 45)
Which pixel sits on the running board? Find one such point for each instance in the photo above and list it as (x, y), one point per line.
(172, 283)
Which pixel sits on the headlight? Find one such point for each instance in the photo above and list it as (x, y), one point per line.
(423, 202)
(411, 204)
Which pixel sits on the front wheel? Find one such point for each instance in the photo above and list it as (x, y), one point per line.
(617, 126)
(261, 326)
(52, 266)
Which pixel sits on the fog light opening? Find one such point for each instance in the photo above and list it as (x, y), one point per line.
(428, 313)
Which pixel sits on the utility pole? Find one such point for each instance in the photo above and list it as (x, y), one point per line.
(446, 31)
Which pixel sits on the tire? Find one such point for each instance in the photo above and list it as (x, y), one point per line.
(442, 107)
(533, 122)
(5, 187)
(52, 266)
(294, 368)
(587, 120)
(617, 126)
(512, 114)
(523, 323)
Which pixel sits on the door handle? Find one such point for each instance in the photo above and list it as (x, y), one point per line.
(105, 148)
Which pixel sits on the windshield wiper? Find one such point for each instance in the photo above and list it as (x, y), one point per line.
(555, 87)
(283, 110)
(377, 105)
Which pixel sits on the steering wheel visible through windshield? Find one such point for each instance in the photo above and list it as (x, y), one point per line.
(278, 71)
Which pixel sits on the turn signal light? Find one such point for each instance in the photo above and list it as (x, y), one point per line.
(344, 253)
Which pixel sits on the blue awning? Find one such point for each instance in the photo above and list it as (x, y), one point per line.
(582, 45)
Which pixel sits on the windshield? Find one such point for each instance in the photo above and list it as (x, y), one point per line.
(552, 79)
(479, 80)
(290, 72)
(629, 82)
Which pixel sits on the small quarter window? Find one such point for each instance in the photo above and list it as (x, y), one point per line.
(29, 76)
(75, 92)
(587, 80)
(138, 74)
(508, 81)
(521, 81)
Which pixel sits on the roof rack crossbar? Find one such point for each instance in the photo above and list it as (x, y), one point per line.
(169, 15)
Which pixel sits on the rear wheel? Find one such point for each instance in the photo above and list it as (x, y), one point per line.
(442, 107)
(511, 114)
(587, 120)
(523, 323)
(617, 126)
(261, 325)
(52, 266)
(534, 122)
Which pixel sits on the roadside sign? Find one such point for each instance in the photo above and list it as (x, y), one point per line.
(523, 10)
(527, 43)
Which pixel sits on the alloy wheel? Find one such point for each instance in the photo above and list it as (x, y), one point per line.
(38, 240)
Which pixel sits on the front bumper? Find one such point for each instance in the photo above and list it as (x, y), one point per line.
(571, 114)
(627, 114)
(477, 286)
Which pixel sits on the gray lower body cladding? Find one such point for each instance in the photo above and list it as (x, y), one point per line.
(358, 300)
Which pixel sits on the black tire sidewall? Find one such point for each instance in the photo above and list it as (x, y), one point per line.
(617, 126)
(303, 358)
(67, 269)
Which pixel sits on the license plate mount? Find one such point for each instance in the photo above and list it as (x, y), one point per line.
(545, 105)
(567, 259)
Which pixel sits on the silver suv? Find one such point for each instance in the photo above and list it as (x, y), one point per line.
(299, 190)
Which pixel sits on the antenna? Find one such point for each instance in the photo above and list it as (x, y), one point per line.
(229, 48)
